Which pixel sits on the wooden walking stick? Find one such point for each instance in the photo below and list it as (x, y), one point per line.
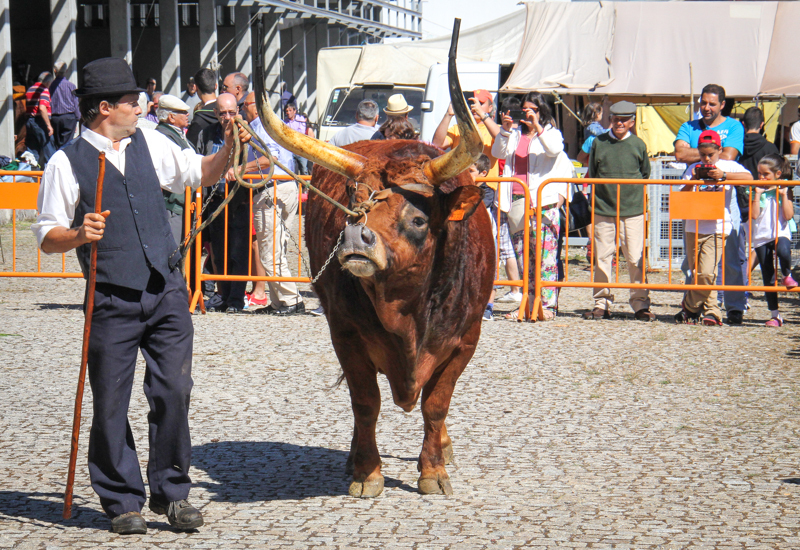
(87, 329)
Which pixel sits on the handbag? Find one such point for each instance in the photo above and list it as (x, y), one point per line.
(580, 214)
(516, 216)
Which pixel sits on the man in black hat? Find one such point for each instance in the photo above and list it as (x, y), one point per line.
(140, 297)
(619, 154)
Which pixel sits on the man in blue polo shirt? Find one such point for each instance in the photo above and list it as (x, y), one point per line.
(730, 130)
(731, 133)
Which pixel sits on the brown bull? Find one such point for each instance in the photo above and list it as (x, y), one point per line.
(410, 280)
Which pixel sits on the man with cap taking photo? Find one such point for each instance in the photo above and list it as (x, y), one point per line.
(448, 137)
(619, 154)
(140, 297)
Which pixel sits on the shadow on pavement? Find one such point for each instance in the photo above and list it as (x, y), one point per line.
(253, 471)
(60, 306)
(46, 508)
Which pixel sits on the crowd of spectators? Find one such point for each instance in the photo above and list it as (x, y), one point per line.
(527, 145)
(521, 140)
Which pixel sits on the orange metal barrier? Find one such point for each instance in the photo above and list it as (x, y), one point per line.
(691, 205)
(199, 276)
(21, 195)
(524, 282)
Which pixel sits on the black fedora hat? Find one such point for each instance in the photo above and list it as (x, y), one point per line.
(107, 76)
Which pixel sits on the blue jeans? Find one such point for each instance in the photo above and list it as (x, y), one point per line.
(734, 262)
(37, 141)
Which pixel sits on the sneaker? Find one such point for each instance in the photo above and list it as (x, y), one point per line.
(232, 310)
(300, 307)
(775, 323)
(319, 311)
(180, 514)
(129, 523)
(711, 321)
(215, 303)
(789, 282)
(735, 317)
(487, 315)
(511, 297)
(250, 300)
(686, 317)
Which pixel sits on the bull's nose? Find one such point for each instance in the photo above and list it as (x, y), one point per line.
(359, 236)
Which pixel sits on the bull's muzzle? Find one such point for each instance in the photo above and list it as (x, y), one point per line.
(360, 252)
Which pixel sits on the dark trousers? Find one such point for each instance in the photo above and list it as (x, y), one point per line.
(63, 128)
(766, 258)
(37, 141)
(157, 322)
(239, 240)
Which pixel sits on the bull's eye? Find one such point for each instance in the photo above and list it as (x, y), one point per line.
(419, 222)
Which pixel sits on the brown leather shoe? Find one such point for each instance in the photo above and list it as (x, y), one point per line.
(597, 313)
(180, 514)
(644, 315)
(129, 523)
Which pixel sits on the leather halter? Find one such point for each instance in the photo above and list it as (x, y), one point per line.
(363, 207)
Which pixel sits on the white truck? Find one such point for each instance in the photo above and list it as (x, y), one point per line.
(429, 102)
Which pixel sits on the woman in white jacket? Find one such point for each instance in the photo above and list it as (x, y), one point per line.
(534, 152)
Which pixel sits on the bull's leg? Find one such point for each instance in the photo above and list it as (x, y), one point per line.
(348, 466)
(366, 401)
(436, 396)
(447, 446)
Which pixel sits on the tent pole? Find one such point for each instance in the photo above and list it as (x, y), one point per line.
(780, 122)
(691, 93)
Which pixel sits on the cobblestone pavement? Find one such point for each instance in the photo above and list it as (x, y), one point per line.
(568, 434)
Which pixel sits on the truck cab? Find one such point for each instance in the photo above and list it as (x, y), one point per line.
(340, 111)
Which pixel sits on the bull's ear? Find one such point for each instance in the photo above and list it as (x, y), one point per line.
(460, 204)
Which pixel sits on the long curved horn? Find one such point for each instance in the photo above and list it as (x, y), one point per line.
(333, 158)
(470, 146)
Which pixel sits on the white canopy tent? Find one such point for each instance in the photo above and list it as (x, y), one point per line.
(407, 63)
(645, 48)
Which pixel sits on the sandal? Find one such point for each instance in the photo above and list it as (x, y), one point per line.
(512, 315)
(548, 315)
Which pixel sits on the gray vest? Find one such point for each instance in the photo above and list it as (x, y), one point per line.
(137, 236)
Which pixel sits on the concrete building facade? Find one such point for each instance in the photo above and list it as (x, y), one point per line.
(170, 40)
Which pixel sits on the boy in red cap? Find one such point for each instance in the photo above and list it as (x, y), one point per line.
(705, 239)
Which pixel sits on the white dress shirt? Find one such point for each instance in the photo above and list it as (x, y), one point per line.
(59, 192)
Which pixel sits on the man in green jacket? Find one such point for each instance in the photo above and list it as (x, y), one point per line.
(619, 154)
(173, 119)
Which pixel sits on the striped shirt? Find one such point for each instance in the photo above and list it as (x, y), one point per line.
(37, 97)
(62, 100)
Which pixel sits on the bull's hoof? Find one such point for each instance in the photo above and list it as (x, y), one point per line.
(447, 454)
(366, 489)
(435, 486)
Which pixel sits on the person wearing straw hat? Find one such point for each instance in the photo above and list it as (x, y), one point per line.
(397, 125)
(140, 297)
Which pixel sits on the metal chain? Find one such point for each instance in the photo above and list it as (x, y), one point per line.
(333, 253)
(357, 212)
(183, 247)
